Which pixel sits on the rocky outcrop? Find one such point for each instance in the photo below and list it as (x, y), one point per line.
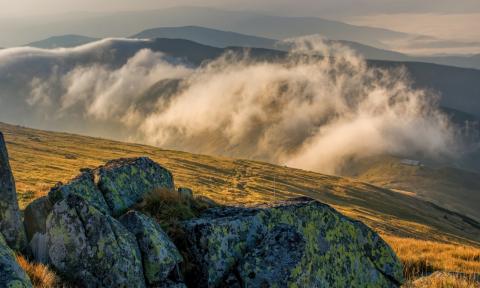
(116, 186)
(297, 243)
(159, 254)
(11, 225)
(92, 248)
(84, 186)
(124, 182)
(11, 274)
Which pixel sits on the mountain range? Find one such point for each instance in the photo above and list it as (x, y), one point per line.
(223, 39)
(258, 24)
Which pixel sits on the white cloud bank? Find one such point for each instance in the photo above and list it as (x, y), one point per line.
(304, 111)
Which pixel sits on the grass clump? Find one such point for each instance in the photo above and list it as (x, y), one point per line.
(421, 257)
(40, 275)
(444, 280)
(169, 208)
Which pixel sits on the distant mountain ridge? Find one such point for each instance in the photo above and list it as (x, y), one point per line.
(208, 36)
(62, 41)
(222, 39)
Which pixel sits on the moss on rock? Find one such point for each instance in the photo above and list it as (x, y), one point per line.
(256, 247)
(91, 248)
(159, 255)
(11, 274)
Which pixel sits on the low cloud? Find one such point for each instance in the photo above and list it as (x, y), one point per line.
(304, 111)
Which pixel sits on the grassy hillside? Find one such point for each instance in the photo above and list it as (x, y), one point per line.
(39, 159)
(451, 188)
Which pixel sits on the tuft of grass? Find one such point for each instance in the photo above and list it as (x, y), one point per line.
(40, 275)
(444, 280)
(421, 257)
(168, 208)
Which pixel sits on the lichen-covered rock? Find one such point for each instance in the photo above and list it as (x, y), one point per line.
(270, 258)
(39, 247)
(11, 225)
(296, 243)
(11, 274)
(36, 216)
(159, 255)
(124, 182)
(84, 186)
(92, 248)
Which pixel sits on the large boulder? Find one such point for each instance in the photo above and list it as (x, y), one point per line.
(124, 182)
(11, 274)
(36, 215)
(116, 186)
(84, 186)
(35, 221)
(11, 225)
(296, 243)
(159, 254)
(92, 248)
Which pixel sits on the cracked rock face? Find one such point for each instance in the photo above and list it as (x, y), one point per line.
(116, 186)
(11, 274)
(11, 225)
(296, 243)
(159, 254)
(84, 186)
(124, 182)
(93, 249)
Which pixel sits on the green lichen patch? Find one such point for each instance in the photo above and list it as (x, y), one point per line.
(297, 243)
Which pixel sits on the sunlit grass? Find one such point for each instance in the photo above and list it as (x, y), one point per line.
(421, 235)
(40, 275)
(424, 257)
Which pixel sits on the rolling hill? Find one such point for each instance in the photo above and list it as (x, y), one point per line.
(40, 159)
(222, 39)
(207, 36)
(63, 41)
(448, 187)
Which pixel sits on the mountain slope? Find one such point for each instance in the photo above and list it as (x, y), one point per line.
(448, 187)
(39, 159)
(222, 39)
(246, 22)
(207, 36)
(63, 41)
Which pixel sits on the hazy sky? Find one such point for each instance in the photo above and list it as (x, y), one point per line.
(333, 8)
(454, 19)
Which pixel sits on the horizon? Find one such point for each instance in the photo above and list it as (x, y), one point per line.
(443, 21)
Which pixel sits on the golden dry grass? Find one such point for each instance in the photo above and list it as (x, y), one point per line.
(443, 280)
(40, 275)
(416, 229)
(421, 257)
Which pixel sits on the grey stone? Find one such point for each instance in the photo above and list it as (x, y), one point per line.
(92, 248)
(160, 256)
(35, 216)
(295, 243)
(125, 182)
(11, 274)
(39, 247)
(84, 186)
(11, 225)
